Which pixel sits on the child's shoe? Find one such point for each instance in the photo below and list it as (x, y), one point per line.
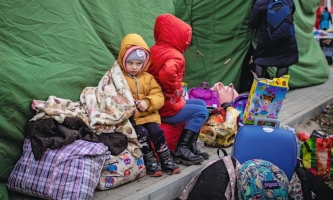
(167, 163)
(152, 164)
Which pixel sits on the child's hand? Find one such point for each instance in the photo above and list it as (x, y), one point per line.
(141, 105)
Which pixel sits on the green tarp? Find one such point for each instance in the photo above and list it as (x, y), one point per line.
(221, 31)
(60, 47)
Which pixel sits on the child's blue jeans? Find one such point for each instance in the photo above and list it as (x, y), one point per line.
(195, 113)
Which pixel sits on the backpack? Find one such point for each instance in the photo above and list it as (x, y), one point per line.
(279, 20)
(239, 104)
(312, 184)
(217, 180)
(261, 179)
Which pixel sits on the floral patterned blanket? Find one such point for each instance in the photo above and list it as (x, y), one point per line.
(104, 108)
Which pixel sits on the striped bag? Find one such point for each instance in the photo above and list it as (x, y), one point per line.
(317, 154)
(71, 172)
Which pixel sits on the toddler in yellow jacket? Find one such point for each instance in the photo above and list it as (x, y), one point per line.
(134, 59)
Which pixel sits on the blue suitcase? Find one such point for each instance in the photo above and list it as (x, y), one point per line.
(273, 144)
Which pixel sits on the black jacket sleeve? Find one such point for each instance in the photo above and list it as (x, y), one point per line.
(256, 18)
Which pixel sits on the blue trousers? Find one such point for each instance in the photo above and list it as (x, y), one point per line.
(195, 113)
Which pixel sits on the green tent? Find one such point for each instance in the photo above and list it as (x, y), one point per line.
(223, 36)
(60, 47)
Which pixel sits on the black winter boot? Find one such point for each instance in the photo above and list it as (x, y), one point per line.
(167, 163)
(195, 150)
(152, 164)
(182, 154)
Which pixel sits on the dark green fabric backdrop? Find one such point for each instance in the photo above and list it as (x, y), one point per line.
(222, 31)
(58, 48)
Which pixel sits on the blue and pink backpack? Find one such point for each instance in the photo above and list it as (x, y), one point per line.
(261, 179)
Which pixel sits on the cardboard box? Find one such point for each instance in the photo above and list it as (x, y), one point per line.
(265, 98)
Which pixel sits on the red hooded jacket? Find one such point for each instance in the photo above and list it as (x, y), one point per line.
(172, 38)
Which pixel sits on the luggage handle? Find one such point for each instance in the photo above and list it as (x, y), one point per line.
(203, 86)
(219, 88)
(223, 151)
(276, 121)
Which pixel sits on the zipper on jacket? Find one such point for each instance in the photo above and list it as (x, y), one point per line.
(172, 98)
(136, 83)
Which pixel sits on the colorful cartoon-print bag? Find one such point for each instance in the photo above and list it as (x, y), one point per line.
(260, 179)
(123, 168)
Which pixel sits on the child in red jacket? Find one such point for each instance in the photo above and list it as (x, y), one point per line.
(173, 37)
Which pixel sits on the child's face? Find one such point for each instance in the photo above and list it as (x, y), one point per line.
(134, 66)
(266, 101)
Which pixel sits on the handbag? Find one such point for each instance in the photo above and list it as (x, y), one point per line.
(204, 93)
(317, 156)
(225, 93)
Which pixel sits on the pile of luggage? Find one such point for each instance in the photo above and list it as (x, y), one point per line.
(267, 161)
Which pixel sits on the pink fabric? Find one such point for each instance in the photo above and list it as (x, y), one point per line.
(232, 175)
(264, 107)
(225, 93)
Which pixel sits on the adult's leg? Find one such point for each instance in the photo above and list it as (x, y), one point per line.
(281, 71)
(152, 164)
(195, 114)
(260, 71)
(161, 147)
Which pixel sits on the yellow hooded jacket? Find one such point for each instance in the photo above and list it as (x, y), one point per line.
(143, 86)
